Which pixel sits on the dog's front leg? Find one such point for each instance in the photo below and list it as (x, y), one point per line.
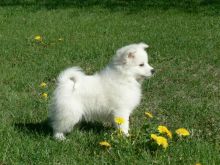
(122, 122)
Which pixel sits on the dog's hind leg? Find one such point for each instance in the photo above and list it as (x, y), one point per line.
(64, 120)
(64, 126)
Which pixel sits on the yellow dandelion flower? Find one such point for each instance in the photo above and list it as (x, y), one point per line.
(160, 140)
(43, 85)
(44, 95)
(38, 38)
(153, 136)
(182, 132)
(148, 114)
(198, 164)
(104, 144)
(119, 120)
(164, 129)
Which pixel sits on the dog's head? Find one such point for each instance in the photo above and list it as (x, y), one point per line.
(133, 60)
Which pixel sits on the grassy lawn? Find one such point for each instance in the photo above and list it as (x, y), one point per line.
(184, 39)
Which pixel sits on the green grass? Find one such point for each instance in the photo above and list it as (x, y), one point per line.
(184, 39)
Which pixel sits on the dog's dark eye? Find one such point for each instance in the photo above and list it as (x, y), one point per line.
(141, 64)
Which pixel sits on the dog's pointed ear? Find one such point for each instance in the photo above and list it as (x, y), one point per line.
(143, 45)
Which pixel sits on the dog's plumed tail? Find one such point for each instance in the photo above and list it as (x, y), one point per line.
(69, 77)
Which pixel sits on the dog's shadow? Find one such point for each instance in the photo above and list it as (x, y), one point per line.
(95, 127)
(44, 129)
(41, 128)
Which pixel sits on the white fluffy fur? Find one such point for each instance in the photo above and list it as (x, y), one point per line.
(113, 92)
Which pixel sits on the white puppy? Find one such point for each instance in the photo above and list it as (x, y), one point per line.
(113, 92)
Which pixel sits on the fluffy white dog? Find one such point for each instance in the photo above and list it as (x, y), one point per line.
(113, 92)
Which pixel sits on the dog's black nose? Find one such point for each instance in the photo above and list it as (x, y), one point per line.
(152, 71)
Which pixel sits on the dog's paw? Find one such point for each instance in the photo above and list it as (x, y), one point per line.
(127, 134)
(59, 136)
